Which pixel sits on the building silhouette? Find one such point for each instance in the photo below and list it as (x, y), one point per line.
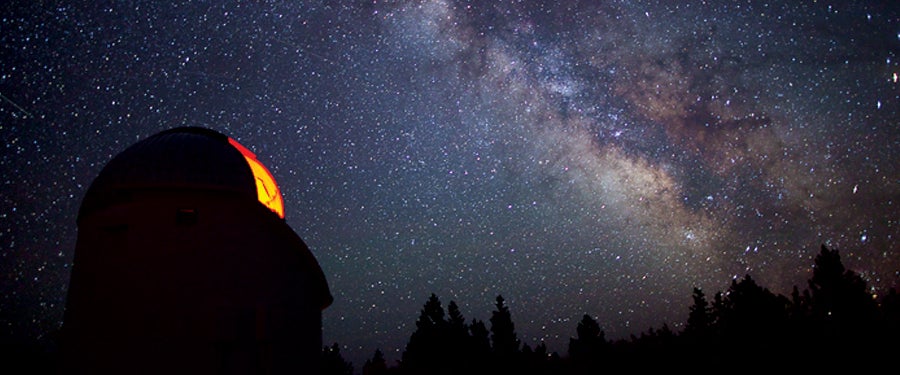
(184, 263)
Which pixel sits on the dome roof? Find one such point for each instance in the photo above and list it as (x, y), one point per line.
(190, 158)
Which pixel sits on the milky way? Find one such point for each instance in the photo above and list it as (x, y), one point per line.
(598, 158)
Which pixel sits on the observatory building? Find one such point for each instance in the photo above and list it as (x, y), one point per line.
(184, 264)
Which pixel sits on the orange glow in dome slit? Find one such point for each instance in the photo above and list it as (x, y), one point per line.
(266, 189)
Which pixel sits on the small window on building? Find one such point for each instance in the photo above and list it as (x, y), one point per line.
(186, 216)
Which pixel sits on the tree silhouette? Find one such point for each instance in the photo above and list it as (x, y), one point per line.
(537, 361)
(587, 349)
(747, 325)
(700, 318)
(839, 296)
(455, 318)
(505, 343)
(376, 365)
(890, 311)
(480, 343)
(699, 332)
(800, 305)
(843, 314)
(752, 316)
(425, 352)
(333, 363)
(590, 341)
(460, 354)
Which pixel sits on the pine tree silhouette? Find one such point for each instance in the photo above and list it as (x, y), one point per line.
(504, 342)
(587, 350)
(427, 347)
(333, 362)
(455, 318)
(842, 311)
(754, 316)
(536, 361)
(590, 341)
(376, 365)
(890, 312)
(459, 354)
(698, 330)
(480, 343)
(836, 318)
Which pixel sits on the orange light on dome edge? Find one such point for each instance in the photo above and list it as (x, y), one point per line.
(266, 189)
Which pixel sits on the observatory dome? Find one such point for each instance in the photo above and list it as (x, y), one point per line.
(185, 158)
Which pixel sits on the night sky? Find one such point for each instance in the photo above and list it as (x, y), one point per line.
(578, 157)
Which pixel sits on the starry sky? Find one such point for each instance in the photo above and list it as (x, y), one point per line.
(577, 157)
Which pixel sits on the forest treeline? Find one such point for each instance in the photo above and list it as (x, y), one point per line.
(835, 321)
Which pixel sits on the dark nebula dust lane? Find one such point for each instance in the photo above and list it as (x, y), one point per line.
(598, 158)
